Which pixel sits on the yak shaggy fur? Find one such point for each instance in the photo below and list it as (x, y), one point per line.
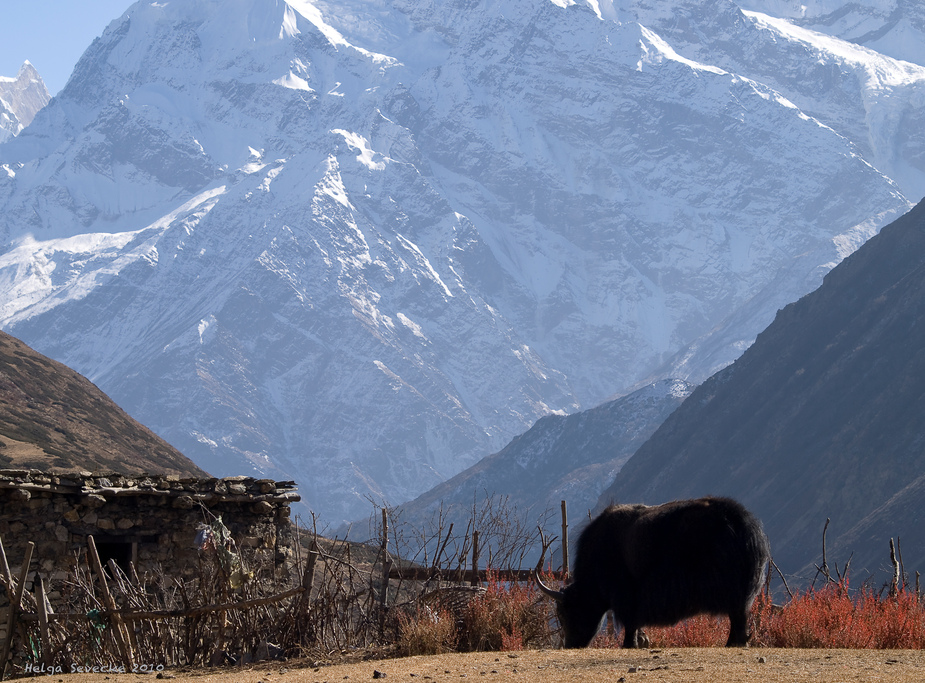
(654, 566)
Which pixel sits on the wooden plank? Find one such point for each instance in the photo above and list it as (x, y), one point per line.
(7, 576)
(196, 611)
(15, 607)
(43, 620)
(118, 625)
(463, 575)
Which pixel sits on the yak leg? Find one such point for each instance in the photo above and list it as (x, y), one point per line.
(633, 637)
(738, 629)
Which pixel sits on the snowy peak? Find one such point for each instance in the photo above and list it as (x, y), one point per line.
(864, 95)
(21, 98)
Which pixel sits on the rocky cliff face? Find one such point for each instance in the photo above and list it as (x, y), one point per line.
(21, 98)
(364, 245)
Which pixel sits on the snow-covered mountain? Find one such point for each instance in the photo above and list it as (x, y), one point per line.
(895, 28)
(20, 100)
(365, 243)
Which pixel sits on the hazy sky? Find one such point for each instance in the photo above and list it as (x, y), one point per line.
(52, 34)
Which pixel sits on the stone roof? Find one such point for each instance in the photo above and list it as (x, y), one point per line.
(184, 490)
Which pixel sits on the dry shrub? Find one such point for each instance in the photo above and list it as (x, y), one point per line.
(704, 630)
(835, 618)
(426, 633)
(832, 617)
(507, 616)
(502, 616)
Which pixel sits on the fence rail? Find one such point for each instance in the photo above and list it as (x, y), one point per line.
(465, 575)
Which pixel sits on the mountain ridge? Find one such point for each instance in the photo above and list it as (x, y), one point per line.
(561, 457)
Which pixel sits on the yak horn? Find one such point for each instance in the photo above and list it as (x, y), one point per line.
(555, 595)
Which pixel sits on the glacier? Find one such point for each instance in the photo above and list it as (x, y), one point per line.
(364, 244)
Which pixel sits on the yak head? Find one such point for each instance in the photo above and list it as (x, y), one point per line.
(579, 618)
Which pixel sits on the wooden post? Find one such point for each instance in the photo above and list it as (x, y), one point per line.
(386, 568)
(10, 590)
(475, 558)
(384, 591)
(894, 583)
(118, 625)
(308, 578)
(384, 543)
(7, 576)
(386, 562)
(43, 619)
(564, 541)
(15, 606)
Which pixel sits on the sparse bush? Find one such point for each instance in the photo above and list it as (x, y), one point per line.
(832, 617)
(427, 633)
(501, 616)
(507, 616)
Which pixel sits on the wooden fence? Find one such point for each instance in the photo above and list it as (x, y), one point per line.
(473, 575)
(120, 620)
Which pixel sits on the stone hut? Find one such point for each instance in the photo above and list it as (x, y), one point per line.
(149, 520)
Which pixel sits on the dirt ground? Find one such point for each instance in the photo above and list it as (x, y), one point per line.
(707, 665)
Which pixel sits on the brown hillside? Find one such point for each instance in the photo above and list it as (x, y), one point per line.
(54, 419)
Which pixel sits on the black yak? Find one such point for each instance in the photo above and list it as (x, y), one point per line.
(654, 566)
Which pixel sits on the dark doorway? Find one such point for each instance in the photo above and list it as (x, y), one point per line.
(120, 551)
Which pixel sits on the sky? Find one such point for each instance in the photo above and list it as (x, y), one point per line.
(52, 34)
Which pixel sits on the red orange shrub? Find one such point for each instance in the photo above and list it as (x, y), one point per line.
(832, 617)
(507, 616)
(512, 616)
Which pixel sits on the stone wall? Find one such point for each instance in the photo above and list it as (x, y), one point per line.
(150, 520)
